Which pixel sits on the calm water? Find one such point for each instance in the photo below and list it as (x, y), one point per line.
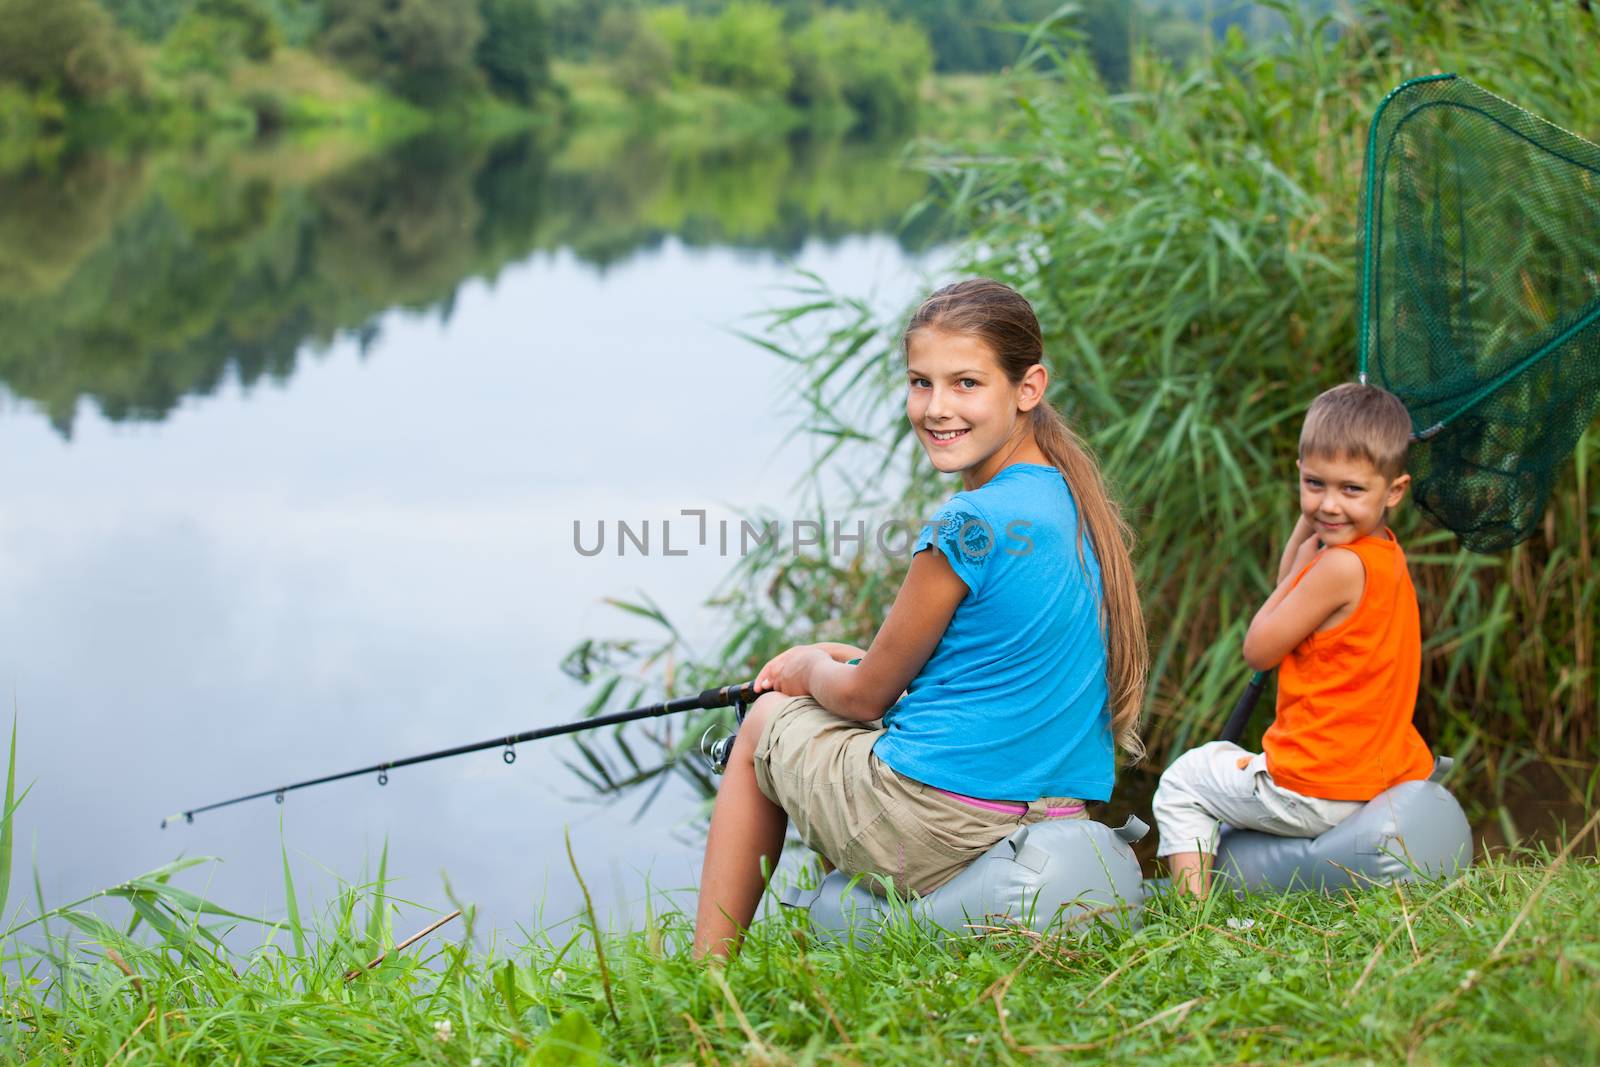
(291, 445)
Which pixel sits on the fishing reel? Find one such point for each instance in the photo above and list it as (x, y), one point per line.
(718, 752)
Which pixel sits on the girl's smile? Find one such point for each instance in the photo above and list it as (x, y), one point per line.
(968, 416)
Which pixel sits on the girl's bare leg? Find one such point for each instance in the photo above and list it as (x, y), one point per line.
(742, 847)
(1191, 872)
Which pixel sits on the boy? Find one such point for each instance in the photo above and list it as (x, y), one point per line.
(1342, 628)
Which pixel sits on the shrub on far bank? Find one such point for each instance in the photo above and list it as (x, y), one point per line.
(216, 35)
(66, 47)
(421, 49)
(514, 53)
(862, 60)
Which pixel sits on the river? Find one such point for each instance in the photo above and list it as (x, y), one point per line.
(292, 442)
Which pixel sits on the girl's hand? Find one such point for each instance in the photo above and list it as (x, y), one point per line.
(789, 672)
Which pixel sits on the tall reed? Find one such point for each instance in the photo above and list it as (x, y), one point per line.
(1191, 247)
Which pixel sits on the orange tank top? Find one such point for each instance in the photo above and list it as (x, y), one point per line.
(1346, 695)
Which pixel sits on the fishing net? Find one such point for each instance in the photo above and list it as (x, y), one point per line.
(1480, 301)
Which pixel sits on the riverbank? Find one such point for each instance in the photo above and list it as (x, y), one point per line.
(956, 105)
(1498, 963)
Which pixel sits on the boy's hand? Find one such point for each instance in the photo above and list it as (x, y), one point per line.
(1294, 555)
(1302, 530)
(1304, 554)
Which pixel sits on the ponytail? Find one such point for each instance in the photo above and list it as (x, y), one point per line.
(1004, 320)
(1121, 616)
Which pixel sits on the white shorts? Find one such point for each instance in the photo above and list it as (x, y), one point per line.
(1222, 783)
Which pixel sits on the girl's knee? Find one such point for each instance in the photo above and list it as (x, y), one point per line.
(755, 724)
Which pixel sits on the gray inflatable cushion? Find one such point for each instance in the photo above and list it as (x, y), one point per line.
(1072, 871)
(1413, 830)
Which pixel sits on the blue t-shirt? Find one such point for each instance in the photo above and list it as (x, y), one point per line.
(1013, 702)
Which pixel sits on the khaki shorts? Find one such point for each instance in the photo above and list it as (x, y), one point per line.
(865, 818)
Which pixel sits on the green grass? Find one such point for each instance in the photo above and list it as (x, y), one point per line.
(1498, 963)
(1501, 963)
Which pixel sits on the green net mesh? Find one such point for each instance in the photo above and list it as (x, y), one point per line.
(1481, 299)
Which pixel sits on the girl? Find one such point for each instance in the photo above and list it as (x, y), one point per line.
(1014, 652)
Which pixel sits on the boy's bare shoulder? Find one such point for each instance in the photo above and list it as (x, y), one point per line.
(1342, 566)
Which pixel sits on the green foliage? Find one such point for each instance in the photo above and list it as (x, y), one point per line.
(27, 115)
(742, 47)
(514, 52)
(1190, 246)
(294, 21)
(862, 60)
(148, 280)
(68, 46)
(213, 36)
(1194, 271)
(973, 35)
(650, 50)
(148, 20)
(422, 49)
(1483, 969)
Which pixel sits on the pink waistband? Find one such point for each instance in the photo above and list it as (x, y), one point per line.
(1008, 806)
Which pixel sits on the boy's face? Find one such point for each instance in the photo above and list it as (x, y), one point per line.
(1345, 497)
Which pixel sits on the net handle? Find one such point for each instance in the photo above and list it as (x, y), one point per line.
(1367, 197)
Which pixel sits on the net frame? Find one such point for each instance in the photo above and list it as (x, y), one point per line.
(1439, 311)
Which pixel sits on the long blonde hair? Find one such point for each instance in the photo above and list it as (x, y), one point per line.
(1003, 319)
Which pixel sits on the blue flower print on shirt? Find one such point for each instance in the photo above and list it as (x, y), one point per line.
(967, 534)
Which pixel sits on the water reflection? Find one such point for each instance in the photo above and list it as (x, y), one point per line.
(137, 282)
(485, 342)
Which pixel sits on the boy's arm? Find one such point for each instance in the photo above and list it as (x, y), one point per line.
(1293, 613)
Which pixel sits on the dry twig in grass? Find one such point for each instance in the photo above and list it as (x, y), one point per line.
(354, 972)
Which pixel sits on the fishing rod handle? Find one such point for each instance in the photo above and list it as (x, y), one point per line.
(744, 693)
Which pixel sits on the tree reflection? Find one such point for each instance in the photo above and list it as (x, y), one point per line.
(134, 283)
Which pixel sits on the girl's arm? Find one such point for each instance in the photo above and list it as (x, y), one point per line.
(1293, 612)
(840, 652)
(921, 612)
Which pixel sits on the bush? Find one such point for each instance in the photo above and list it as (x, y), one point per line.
(514, 54)
(67, 45)
(215, 35)
(148, 20)
(863, 60)
(742, 48)
(422, 49)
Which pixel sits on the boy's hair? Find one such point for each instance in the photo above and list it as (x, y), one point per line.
(1360, 422)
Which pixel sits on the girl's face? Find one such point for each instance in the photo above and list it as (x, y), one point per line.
(967, 414)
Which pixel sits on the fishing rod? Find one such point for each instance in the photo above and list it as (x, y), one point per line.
(740, 697)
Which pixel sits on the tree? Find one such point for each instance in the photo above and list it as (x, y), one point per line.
(70, 45)
(864, 60)
(216, 34)
(644, 58)
(514, 53)
(422, 49)
(742, 47)
(148, 20)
